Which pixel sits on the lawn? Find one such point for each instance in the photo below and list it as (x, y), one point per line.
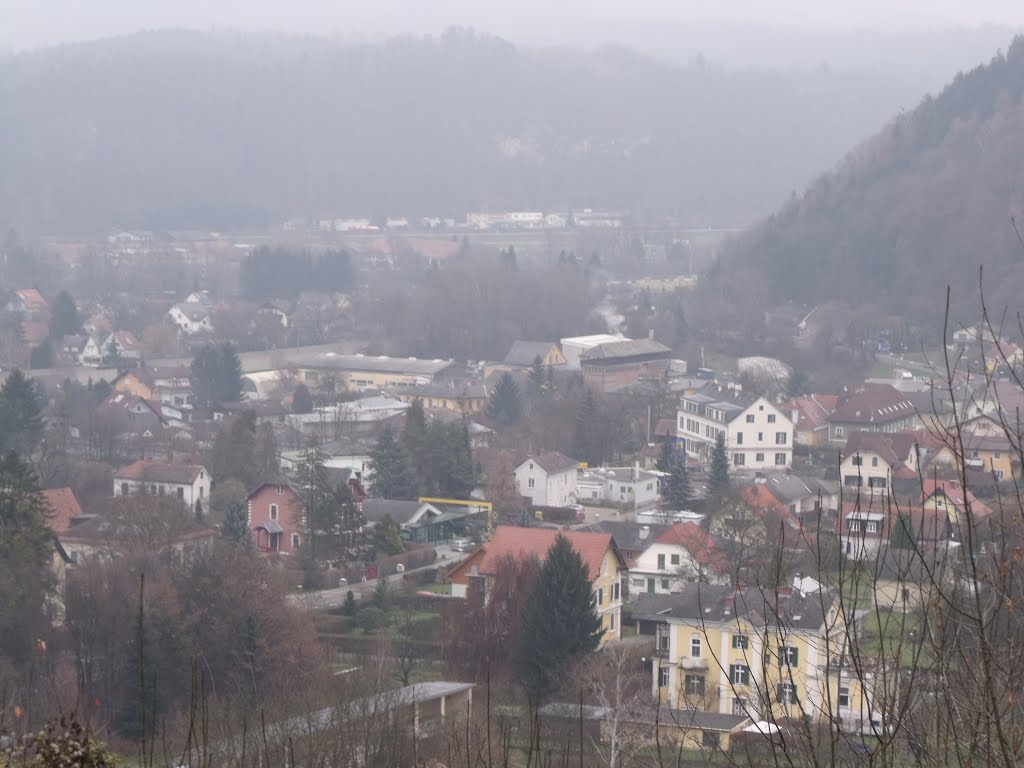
(884, 634)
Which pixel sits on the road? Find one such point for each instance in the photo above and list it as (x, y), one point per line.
(332, 598)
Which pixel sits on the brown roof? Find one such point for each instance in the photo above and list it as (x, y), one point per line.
(698, 543)
(625, 348)
(64, 507)
(520, 543)
(552, 462)
(873, 403)
(159, 472)
(894, 448)
(812, 410)
(32, 299)
(957, 495)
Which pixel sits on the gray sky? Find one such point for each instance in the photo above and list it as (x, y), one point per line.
(31, 23)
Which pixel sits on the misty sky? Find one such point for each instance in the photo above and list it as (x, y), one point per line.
(31, 23)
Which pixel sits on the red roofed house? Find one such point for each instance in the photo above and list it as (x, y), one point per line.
(810, 415)
(685, 553)
(604, 563)
(64, 509)
(275, 517)
(872, 408)
(27, 300)
(872, 460)
(189, 482)
(951, 506)
(548, 479)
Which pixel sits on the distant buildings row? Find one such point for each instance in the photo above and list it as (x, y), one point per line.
(477, 221)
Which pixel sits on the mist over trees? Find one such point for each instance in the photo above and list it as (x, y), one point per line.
(912, 210)
(194, 130)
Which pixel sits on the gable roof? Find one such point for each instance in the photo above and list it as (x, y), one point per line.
(698, 542)
(524, 352)
(812, 411)
(629, 536)
(157, 472)
(32, 299)
(64, 506)
(194, 311)
(883, 444)
(511, 541)
(872, 403)
(789, 488)
(624, 348)
(401, 511)
(961, 498)
(762, 606)
(551, 462)
(761, 500)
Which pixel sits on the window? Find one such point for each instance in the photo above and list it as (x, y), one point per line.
(759, 457)
(844, 696)
(694, 685)
(780, 438)
(852, 481)
(280, 490)
(874, 461)
(600, 596)
(611, 621)
(760, 437)
(739, 706)
(637, 582)
(695, 647)
(622, 489)
(295, 541)
(771, 418)
(273, 511)
(181, 493)
(739, 459)
(529, 483)
(997, 454)
(201, 490)
(739, 438)
(857, 460)
(877, 482)
(674, 559)
(872, 526)
(780, 459)
(740, 641)
(661, 562)
(665, 585)
(615, 590)
(789, 655)
(663, 677)
(531, 466)
(152, 490)
(999, 474)
(750, 418)
(839, 431)
(710, 739)
(739, 674)
(786, 694)
(124, 489)
(163, 489)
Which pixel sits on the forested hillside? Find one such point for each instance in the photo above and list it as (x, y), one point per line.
(182, 129)
(916, 208)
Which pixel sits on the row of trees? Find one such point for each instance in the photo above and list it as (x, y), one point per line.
(282, 273)
(427, 459)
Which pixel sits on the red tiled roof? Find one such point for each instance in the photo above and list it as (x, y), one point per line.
(873, 403)
(32, 299)
(761, 500)
(957, 495)
(156, 472)
(64, 506)
(698, 543)
(812, 410)
(519, 543)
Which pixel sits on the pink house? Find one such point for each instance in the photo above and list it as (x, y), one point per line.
(275, 518)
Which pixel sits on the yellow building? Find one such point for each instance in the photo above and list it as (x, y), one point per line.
(360, 373)
(986, 451)
(768, 654)
(464, 397)
(605, 565)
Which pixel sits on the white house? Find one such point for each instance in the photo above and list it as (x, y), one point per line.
(548, 479)
(872, 460)
(685, 553)
(94, 350)
(189, 482)
(573, 347)
(618, 485)
(757, 434)
(192, 317)
(862, 533)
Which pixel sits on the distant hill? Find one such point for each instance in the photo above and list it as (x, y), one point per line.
(183, 129)
(919, 206)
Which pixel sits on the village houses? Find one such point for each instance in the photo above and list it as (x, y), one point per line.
(548, 479)
(189, 482)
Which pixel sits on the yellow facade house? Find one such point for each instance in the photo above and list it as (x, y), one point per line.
(770, 654)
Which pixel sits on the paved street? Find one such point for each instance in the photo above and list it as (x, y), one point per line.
(332, 598)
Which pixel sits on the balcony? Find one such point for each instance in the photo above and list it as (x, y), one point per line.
(689, 662)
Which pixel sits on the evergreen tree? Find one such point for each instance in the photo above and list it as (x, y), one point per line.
(267, 456)
(41, 355)
(416, 442)
(392, 471)
(387, 537)
(236, 524)
(452, 468)
(591, 432)
(538, 375)
(678, 490)
(664, 462)
(25, 548)
(350, 607)
(21, 419)
(234, 451)
(313, 487)
(718, 477)
(199, 512)
(229, 374)
(64, 318)
(902, 536)
(204, 376)
(506, 403)
(302, 401)
(559, 622)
